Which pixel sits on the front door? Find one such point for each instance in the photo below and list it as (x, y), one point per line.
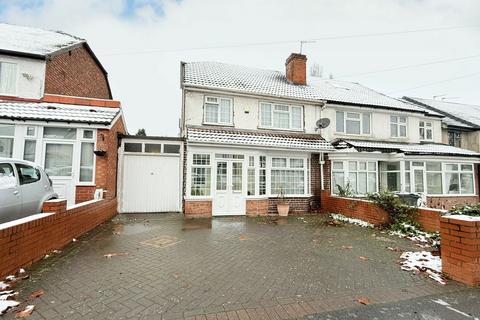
(229, 198)
(59, 166)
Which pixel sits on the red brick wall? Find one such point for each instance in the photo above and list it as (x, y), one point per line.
(106, 166)
(84, 193)
(448, 202)
(296, 68)
(298, 206)
(461, 248)
(198, 209)
(75, 73)
(23, 244)
(257, 207)
(429, 219)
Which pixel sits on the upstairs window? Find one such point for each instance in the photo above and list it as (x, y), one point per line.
(425, 130)
(218, 111)
(352, 122)
(455, 139)
(398, 127)
(8, 78)
(279, 116)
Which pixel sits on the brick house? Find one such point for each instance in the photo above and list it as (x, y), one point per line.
(252, 133)
(56, 110)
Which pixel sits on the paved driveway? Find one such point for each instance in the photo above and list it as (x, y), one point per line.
(226, 268)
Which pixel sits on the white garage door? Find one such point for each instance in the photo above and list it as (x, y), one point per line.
(151, 183)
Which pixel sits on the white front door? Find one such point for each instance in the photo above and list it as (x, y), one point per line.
(58, 164)
(229, 199)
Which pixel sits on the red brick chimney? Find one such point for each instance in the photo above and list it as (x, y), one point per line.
(296, 68)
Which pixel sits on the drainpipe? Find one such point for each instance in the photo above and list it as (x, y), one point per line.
(322, 162)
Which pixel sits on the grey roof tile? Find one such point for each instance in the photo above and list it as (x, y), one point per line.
(258, 139)
(33, 40)
(409, 148)
(274, 83)
(44, 111)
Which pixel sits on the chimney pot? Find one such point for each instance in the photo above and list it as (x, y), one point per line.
(296, 68)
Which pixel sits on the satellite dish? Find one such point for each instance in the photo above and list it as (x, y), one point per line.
(322, 123)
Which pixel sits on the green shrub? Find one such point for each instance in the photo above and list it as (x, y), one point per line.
(466, 209)
(345, 191)
(398, 212)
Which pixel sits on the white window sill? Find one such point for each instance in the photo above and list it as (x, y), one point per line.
(218, 124)
(280, 129)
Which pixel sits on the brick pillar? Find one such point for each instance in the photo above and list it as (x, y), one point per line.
(55, 206)
(461, 248)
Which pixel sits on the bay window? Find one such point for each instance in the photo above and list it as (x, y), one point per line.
(279, 116)
(398, 127)
(201, 175)
(8, 78)
(352, 122)
(288, 175)
(6, 140)
(425, 130)
(218, 111)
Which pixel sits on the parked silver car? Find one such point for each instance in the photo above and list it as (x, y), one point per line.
(24, 187)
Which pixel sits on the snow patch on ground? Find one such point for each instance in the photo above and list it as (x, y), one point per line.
(5, 302)
(425, 239)
(358, 222)
(423, 261)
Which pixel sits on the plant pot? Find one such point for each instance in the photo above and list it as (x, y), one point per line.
(283, 209)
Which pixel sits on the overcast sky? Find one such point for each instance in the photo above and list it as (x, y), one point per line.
(141, 43)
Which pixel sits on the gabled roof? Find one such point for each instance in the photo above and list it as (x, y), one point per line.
(276, 140)
(233, 78)
(56, 112)
(406, 148)
(456, 114)
(34, 42)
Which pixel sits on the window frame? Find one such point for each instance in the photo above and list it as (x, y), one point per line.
(273, 111)
(11, 138)
(15, 93)
(360, 119)
(422, 124)
(398, 124)
(288, 167)
(219, 98)
(345, 171)
(453, 134)
(207, 166)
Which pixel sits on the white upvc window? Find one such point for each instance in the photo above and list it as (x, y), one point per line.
(218, 110)
(280, 116)
(425, 131)
(251, 176)
(8, 78)
(459, 178)
(398, 126)
(201, 175)
(288, 175)
(87, 157)
(360, 176)
(353, 123)
(7, 132)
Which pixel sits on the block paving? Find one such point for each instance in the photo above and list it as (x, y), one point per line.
(224, 268)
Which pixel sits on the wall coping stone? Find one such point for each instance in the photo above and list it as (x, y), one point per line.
(17, 222)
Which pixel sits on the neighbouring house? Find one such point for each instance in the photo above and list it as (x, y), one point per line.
(56, 110)
(252, 134)
(461, 122)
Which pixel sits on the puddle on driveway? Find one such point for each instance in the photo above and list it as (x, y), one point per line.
(196, 224)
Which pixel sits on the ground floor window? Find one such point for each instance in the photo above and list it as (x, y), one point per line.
(360, 177)
(201, 175)
(459, 178)
(288, 176)
(6, 140)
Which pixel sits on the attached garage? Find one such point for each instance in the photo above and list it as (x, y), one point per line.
(150, 174)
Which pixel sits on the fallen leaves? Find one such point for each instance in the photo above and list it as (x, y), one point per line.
(363, 300)
(116, 254)
(243, 237)
(363, 258)
(396, 249)
(25, 312)
(347, 247)
(36, 294)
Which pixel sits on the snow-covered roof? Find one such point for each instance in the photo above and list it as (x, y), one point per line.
(258, 139)
(235, 78)
(45, 111)
(456, 114)
(34, 41)
(407, 148)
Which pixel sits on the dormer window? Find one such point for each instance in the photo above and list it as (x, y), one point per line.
(8, 78)
(426, 130)
(218, 111)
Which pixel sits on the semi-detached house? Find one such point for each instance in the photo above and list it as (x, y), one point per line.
(251, 134)
(56, 110)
